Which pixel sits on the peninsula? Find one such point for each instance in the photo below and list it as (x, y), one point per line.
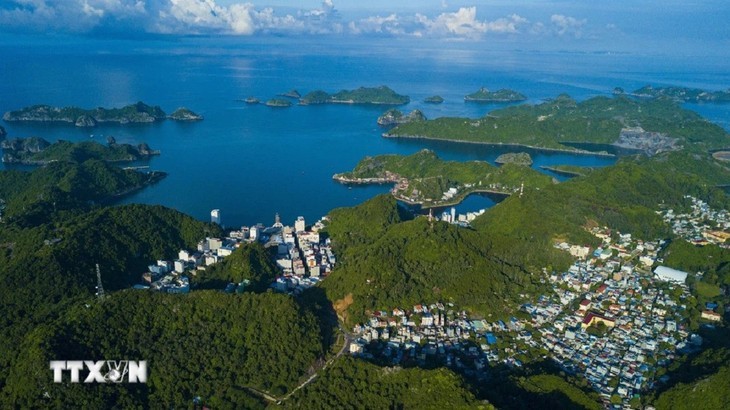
(133, 113)
(423, 178)
(654, 125)
(38, 151)
(377, 96)
(683, 94)
(499, 96)
(395, 117)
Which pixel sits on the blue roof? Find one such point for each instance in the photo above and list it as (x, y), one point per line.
(491, 339)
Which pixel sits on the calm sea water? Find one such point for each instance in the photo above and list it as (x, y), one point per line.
(253, 161)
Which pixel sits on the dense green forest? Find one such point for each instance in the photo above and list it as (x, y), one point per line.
(74, 152)
(624, 197)
(139, 112)
(204, 344)
(396, 263)
(597, 120)
(356, 384)
(48, 267)
(249, 262)
(36, 197)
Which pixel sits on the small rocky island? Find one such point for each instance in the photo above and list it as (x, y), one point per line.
(396, 117)
(80, 117)
(38, 151)
(499, 96)
(517, 158)
(278, 103)
(291, 94)
(3, 133)
(251, 100)
(377, 96)
(434, 99)
(184, 114)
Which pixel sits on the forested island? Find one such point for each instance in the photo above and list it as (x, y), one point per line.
(37, 151)
(519, 158)
(425, 179)
(278, 103)
(434, 99)
(364, 95)
(683, 94)
(599, 120)
(133, 113)
(395, 117)
(500, 96)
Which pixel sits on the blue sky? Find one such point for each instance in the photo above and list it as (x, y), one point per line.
(611, 25)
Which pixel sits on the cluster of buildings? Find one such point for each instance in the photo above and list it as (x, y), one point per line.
(426, 333)
(610, 319)
(301, 254)
(457, 219)
(702, 225)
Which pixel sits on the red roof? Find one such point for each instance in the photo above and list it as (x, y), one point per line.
(585, 302)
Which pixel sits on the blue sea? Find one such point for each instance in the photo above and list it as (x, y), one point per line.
(252, 161)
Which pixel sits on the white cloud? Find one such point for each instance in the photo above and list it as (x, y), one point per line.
(237, 17)
(566, 25)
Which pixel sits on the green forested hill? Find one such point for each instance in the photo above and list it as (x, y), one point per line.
(40, 278)
(249, 262)
(35, 197)
(406, 263)
(356, 384)
(204, 344)
(624, 197)
(597, 120)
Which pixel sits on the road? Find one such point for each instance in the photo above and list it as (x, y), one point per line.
(272, 399)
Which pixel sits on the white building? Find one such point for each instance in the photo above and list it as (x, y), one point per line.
(215, 216)
(299, 225)
(670, 275)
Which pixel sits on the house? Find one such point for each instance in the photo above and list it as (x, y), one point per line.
(712, 316)
(670, 275)
(593, 318)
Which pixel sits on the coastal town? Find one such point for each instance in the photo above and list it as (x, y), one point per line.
(616, 318)
(610, 319)
(301, 255)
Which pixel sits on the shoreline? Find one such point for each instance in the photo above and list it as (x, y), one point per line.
(384, 181)
(455, 202)
(506, 144)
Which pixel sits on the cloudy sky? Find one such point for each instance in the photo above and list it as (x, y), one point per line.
(613, 23)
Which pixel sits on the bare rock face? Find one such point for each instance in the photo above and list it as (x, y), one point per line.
(85, 121)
